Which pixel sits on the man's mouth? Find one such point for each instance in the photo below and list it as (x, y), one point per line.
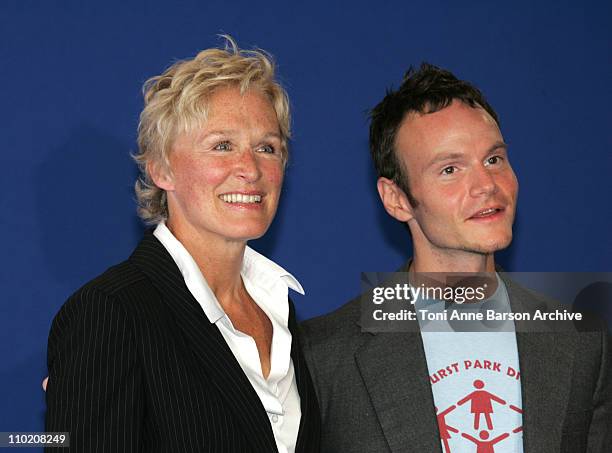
(240, 198)
(486, 213)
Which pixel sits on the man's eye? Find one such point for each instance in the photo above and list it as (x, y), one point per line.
(448, 170)
(223, 146)
(494, 160)
(267, 149)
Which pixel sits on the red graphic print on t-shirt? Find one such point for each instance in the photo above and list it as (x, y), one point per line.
(487, 412)
(481, 404)
(484, 446)
(444, 428)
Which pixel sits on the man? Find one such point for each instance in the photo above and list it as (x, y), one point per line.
(444, 171)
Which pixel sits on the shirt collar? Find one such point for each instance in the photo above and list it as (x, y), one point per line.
(255, 267)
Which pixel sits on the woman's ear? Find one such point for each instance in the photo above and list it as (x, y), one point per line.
(161, 175)
(394, 200)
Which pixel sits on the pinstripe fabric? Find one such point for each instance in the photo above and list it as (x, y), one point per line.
(135, 366)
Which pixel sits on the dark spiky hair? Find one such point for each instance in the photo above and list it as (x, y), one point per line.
(426, 90)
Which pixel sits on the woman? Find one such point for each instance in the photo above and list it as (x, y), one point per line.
(190, 345)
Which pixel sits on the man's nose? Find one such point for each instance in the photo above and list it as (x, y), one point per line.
(482, 182)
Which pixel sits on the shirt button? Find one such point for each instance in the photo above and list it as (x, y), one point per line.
(274, 418)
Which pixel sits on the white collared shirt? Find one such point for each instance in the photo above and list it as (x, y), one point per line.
(268, 284)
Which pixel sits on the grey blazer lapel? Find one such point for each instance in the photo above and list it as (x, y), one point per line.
(394, 371)
(544, 360)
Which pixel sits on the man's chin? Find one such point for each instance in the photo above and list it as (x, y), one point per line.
(493, 245)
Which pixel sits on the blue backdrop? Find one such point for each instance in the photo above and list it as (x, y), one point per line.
(70, 80)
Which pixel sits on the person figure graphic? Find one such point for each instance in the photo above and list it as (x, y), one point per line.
(520, 411)
(484, 446)
(444, 428)
(481, 404)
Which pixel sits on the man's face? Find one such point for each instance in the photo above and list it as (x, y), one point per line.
(459, 173)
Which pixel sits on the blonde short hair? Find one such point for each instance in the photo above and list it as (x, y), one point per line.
(176, 102)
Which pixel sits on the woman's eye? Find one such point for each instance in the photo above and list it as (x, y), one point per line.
(267, 149)
(223, 146)
(448, 170)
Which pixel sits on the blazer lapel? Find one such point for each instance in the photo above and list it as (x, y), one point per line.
(394, 370)
(217, 361)
(544, 358)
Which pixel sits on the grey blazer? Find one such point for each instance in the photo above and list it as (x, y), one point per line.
(375, 396)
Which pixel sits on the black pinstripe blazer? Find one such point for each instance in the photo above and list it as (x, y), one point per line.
(136, 366)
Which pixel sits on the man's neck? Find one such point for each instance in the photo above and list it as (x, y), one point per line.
(452, 262)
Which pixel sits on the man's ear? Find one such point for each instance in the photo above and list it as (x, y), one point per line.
(161, 175)
(394, 200)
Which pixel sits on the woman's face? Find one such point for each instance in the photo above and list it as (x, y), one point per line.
(225, 178)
